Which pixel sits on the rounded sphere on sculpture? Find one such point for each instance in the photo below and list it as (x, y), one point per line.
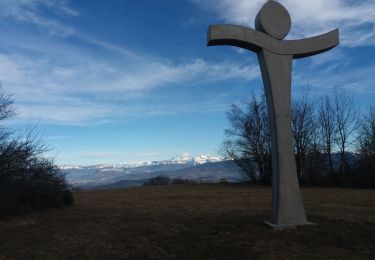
(274, 20)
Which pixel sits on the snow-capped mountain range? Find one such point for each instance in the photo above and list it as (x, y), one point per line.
(202, 168)
(182, 159)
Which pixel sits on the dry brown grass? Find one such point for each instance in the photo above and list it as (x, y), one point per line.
(193, 222)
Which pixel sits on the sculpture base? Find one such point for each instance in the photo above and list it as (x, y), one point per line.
(281, 227)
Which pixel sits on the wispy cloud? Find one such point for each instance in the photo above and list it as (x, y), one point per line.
(119, 155)
(56, 137)
(104, 156)
(355, 19)
(151, 74)
(336, 76)
(70, 86)
(56, 82)
(28, 11)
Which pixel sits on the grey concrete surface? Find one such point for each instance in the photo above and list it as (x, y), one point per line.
(275, 58)
(274, 20)
(255, 41)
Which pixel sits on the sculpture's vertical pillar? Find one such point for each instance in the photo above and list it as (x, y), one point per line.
(287, 205)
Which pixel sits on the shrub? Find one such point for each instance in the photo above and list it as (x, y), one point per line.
(223, 180)
(183, 181)
(159, 180)
(28, 181)
(165, 180)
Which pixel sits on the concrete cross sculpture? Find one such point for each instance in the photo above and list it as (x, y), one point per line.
(275, 57)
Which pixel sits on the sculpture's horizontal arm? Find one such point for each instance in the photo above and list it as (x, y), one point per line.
(253, 40)
(235, 35)
(312, 46)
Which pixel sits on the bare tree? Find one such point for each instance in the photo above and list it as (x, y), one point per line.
(366, 138)
(315, 163)
(7, 109)
(232, 149)
(366, 149)
(326, 126)
(346, 120)
(303, 126)
(248, 141)
(28, 181)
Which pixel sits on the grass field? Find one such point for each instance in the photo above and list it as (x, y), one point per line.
(222, 221)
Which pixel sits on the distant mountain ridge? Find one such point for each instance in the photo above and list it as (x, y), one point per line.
(183, 159)
(204, 168)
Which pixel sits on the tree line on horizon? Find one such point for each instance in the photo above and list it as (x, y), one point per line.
(334, 144)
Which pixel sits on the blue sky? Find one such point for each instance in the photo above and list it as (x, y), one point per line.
(123, 80)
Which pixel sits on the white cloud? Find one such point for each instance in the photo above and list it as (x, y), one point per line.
(28, 11)
(150, 75)
(352, 80)
(119, 155)
(57, 137)
(68, 86)
(355, 19)
(89, 157)
(55, 82)
(78, 112)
